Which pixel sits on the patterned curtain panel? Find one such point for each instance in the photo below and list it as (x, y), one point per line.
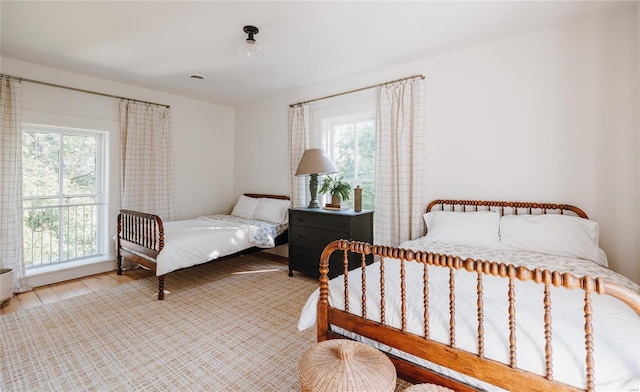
(147, 159)
(11, 213)
(298, 143)
(399, 149)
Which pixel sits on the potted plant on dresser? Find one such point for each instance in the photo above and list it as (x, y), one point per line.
(338, 189)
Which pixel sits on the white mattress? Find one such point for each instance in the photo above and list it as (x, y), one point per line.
(195, 241)
(616, 327)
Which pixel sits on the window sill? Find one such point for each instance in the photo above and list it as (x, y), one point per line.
(44, 275)
(56, 267)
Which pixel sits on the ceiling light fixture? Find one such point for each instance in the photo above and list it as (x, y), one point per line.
(250, 51)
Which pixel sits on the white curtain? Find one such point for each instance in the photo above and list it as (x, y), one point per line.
(399, 149)
(298, 143)
(148, 176)
(11, 213)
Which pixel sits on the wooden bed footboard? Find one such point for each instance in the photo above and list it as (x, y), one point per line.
(140, 238)
(504, 375)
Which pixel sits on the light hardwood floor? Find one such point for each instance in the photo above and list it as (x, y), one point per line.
(71, 288)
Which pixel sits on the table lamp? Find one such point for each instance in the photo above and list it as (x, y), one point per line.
(314, 163)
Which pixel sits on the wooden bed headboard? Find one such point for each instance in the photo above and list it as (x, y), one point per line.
(259, 195)
(504, 207)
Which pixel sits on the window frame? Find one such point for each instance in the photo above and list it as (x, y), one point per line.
(361, 106)
(101, 187)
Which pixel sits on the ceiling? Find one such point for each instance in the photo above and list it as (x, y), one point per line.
(159, 44)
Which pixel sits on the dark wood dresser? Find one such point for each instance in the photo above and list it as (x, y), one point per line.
(311, 229)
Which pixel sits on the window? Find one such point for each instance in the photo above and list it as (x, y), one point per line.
(350, 142)
(63, 188)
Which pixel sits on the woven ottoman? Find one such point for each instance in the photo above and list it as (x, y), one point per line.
(427, 388)
(342, 365)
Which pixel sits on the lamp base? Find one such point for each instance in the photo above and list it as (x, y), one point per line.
(314, 204)
(313, 190)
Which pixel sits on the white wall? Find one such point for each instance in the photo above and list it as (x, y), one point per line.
(202, 134)
(550, 115)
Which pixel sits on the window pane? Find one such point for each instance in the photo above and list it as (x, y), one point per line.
(79, 165)
(344, 150)
(80, 200)
(79, 227)
(368, 195)
(366, 139)
(40, 202)
(41, 232)
(40, 167)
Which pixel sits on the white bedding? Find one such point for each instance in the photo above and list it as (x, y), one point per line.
(616, 327)
(195, 241)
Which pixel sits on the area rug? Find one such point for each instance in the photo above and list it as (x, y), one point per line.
(229, 325)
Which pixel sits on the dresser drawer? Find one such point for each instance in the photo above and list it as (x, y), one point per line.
(321, 221)
(307, 261)
(314, 238)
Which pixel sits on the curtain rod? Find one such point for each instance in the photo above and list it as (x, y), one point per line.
(358, 89)
(79, 90)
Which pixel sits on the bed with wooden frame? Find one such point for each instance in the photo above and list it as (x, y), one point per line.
(341, 314)
(141, 237)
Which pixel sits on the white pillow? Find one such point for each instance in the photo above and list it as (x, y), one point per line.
(478, 229)
(272, 210)
(245, 207)
(555, 234)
